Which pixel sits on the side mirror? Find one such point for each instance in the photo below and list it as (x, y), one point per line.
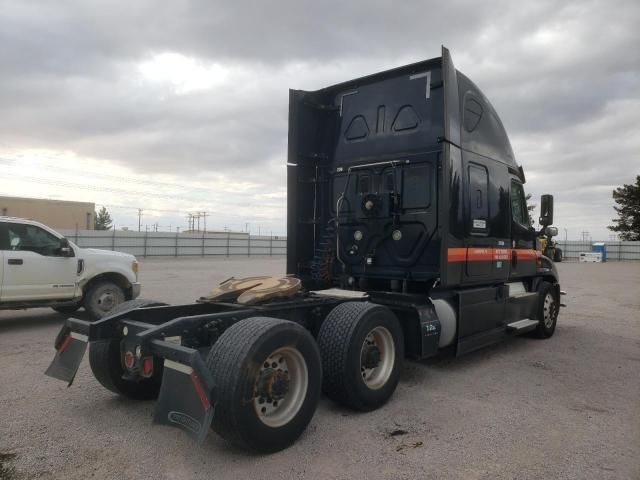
(65, 248)
(551, 231)
(546, 210)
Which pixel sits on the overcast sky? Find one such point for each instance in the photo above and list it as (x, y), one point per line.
(181, 106)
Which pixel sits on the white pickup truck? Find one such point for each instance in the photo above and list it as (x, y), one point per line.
(41, 268)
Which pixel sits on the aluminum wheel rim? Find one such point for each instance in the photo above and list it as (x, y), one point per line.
(277, 412)
(376, 377)
(548, 310)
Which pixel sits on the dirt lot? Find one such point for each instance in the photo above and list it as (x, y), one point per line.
(568, 407)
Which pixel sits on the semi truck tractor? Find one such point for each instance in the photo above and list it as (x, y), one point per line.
(408, 233)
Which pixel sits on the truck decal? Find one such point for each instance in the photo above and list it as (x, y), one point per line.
(489, 254)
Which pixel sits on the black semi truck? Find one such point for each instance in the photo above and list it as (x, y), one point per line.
(408, 233)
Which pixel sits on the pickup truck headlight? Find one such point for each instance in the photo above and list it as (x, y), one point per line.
(135, 266)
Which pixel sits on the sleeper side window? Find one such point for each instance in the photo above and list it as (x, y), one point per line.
(518, 204)
(478, 201)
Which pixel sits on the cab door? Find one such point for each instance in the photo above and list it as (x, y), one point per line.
(33, 265)
(523, 253)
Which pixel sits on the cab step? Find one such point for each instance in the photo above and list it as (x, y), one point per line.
(522, 326)
(523, 297)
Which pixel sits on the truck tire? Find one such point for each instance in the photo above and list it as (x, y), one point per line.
(548, 308)
(362, 349)
(268, 377)
(101, 297)
(105, 360)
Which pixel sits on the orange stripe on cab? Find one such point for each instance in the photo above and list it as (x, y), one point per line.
(489, 254)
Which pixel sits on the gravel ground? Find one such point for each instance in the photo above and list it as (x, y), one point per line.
(564, 408)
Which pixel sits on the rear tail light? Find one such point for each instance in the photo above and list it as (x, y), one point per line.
(147, 366)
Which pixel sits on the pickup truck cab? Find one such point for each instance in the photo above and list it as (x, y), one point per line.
(39, 267)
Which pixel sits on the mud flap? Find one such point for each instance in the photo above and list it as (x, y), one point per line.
(70, 351)
(184, 401)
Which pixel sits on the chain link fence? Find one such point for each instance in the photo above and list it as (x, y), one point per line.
(168, 244)
(616, 250)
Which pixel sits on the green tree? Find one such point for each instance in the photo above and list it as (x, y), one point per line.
(530, 208)
(103, 220)
(627, 225)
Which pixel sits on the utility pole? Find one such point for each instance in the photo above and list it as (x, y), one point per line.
(139, 219)
(204, 216)
(246, 226)
(198, 216)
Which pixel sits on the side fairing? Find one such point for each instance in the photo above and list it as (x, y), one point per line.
(451, 203)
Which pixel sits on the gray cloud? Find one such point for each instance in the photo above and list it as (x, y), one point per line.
(564, 77)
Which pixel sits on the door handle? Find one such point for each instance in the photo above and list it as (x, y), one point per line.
(15, 261)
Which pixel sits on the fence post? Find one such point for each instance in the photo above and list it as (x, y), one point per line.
(202, 241)
(271, 245)
(228, 238)
(248, 244)
(113, 241)
(177, 233)
(144, 254)
(76, 239)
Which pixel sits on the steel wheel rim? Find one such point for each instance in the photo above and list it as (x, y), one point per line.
(548, 310)
(376, 377)
(106, 300)
(276, 412)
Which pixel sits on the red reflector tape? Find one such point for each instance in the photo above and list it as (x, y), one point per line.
(129, 361)
(65, 343)
(204, 398)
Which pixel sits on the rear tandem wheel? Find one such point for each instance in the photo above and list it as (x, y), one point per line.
(267, 374)
(362, 348)
(105, 359)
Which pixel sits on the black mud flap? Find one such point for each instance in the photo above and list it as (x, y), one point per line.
(184, 400)
(71, 347)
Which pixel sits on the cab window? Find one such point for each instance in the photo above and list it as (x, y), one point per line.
(30, 238)
(518, 204)
(5, 244)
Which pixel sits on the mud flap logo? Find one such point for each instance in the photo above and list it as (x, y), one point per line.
(185, 421)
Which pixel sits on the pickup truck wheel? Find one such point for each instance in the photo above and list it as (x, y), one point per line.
(101, 298)
(105, 359)
(362, 350)
(548, 309)
(267, 374)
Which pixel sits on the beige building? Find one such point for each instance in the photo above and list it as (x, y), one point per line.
(57, 214)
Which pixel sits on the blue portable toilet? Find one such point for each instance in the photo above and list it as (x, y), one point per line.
(600, 247)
